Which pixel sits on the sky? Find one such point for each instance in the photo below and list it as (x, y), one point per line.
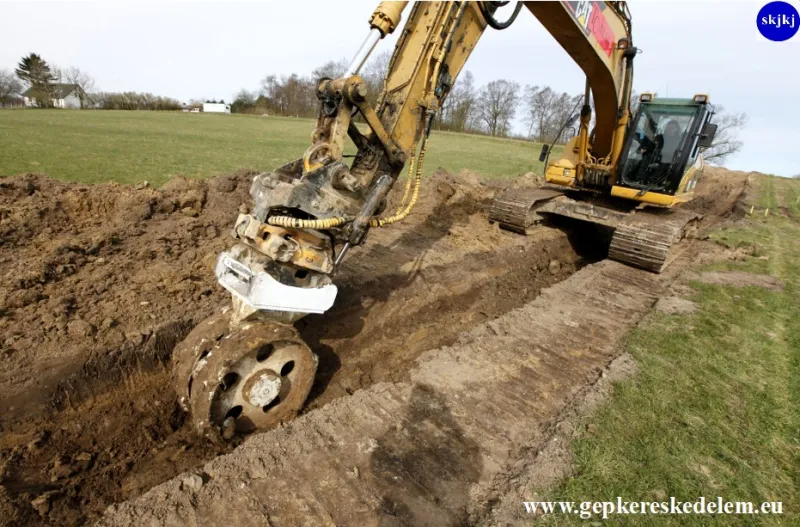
(193, 50)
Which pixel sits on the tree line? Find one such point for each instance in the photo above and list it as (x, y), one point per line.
(490, 109)
(134, 101)
(34, 76)
(295, 95)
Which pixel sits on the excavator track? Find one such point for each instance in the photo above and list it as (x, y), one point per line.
(651, 241)
(515, 209)
(648, 239)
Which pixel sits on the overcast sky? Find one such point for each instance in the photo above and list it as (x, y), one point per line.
(211, 50)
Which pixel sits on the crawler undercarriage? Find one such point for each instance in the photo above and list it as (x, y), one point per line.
(648, 238)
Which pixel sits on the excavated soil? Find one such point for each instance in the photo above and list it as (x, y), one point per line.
(100, 282)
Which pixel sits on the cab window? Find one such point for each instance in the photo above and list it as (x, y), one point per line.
(660, 140)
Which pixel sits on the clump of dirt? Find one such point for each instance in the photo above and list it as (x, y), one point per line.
(718, 192)
(92, 273)
(99, 283)
(529, 180)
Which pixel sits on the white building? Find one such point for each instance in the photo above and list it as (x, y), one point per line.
(63, 96)
(213, 107)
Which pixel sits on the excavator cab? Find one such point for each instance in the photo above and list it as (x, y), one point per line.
(663, 144)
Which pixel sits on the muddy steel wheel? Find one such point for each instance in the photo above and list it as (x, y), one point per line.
(248, 378)
(197, 344)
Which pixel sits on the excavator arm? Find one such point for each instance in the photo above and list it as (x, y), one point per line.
(307, 213)
(597, 35)
(431, 51)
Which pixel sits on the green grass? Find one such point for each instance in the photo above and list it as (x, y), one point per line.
(713, 410)
(767, 197)
(132, 146)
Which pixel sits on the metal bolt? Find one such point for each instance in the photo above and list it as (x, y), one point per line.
(262, 390)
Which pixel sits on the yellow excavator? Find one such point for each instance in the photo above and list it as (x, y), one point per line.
(246, 368)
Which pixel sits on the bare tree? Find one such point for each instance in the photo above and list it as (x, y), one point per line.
(10, 87)
(496, 105)
(75, 75)
(333, 69)
(245, 101)
(726, 141)
(565, 107)
(538, 101)
(290, 96)
(374, 73)
(458, 110)
(547, 111)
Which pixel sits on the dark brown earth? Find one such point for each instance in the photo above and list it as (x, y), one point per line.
(100, 282)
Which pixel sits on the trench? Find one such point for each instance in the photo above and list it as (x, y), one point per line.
(113, 429)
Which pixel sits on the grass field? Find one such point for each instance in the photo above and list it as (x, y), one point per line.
(715, 408)
(132, 146)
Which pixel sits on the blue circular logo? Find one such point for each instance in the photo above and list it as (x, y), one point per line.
(778, 21)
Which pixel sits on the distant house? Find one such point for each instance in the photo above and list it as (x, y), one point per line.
(12, 102)
(213, 107)
(64, 96)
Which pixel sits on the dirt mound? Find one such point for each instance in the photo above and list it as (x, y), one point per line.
(88, 271)
(100, 282)
(98, 285)
(718, 190)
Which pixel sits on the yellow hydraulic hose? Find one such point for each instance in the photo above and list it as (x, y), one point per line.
(402, 211)
(400, 215)
(297, 223)
(409, 181)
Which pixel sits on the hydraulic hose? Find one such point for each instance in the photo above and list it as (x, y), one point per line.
(412, 188)
(401, 215)
(409, 182)
(297, 223)
(492, 21)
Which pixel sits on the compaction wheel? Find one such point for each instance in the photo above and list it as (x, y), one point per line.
(241, 379)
